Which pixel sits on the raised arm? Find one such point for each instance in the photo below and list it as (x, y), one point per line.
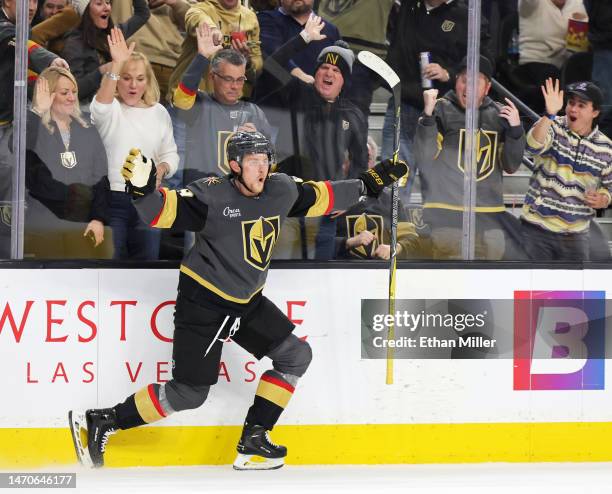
(276, 63)
(139, 19)
(120, 53)
(426, 146)
(185, 93)
(514, 146)
(55, 26)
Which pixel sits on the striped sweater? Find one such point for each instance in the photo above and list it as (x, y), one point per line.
(566, 167)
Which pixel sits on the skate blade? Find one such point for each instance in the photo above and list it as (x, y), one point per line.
(255, 462)
(78, 425)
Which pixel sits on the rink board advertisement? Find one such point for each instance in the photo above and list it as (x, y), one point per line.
(86, 338)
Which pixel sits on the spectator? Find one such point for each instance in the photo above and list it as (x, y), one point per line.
(38, 60)
(160, 38)
(363, 24)
(364, 230)
(73, 153)
(572, 175)
(321, 126)
(86, 48)
(326, 124)
(52, 7)
(224, 17)
(600, 36)
(213, 118)
(542, 39)
(50, 32)
(280, 25)
(133, 119)
(440, 28)
(439, 150)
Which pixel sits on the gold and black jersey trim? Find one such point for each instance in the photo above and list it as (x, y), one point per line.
(217, 291)
(184, 97)
(324, 200)
(167, 215)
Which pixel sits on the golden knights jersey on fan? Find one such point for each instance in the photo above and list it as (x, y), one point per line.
(439, 145)
(235, 234)
(374, 215)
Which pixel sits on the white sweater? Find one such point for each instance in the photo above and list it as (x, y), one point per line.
(542, 28)
(125, 127)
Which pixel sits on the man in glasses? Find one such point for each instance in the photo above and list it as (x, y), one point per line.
(572, 175)
(212, 118)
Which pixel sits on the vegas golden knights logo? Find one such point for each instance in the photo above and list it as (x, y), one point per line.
(331, 58)
(258, 239)
(486, 152)
(222, 138)
(447, 26)
(355, 224)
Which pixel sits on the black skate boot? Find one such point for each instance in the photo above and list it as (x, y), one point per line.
(256, 451)
(97, 425)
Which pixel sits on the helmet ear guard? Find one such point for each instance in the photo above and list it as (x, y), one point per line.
(241, 143)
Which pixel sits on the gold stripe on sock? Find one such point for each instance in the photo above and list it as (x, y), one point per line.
(145, 406)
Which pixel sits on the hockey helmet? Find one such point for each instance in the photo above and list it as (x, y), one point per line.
(241, 143)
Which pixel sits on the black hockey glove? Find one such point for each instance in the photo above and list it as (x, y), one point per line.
(384, 173)
(139, 174)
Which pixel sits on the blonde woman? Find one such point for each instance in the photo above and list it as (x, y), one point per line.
(72, 155)
(127, 113)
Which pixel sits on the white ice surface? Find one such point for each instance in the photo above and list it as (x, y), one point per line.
(557, 478)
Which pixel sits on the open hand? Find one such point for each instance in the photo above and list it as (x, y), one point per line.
(119, 50)
(43, 98)
(553, 96)
(314, 26)
(206, 40)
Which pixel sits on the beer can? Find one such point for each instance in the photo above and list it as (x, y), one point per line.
(425, 60)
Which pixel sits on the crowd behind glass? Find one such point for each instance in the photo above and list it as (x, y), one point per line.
(175, 79)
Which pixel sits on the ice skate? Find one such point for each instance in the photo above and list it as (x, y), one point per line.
(90, 433)
(257, 452)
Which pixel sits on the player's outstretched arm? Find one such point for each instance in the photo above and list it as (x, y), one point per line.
(163, 208)
(321, 198)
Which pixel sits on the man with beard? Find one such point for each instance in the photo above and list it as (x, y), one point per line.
(280, 25)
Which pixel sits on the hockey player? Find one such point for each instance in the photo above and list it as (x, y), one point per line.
(237, 220)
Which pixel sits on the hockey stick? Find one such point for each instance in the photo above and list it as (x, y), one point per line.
(378, 65)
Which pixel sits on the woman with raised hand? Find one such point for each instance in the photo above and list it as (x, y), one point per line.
(132, 119)
(86, 48)
(69, 200)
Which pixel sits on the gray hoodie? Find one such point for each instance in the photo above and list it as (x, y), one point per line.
(438, 150)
